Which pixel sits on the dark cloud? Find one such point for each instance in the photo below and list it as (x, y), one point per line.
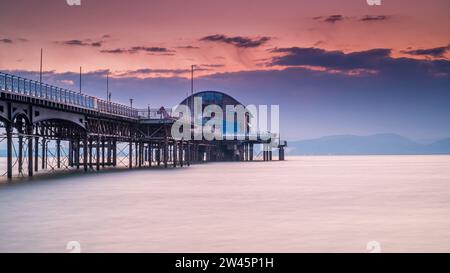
(150, 49)
(96, 44)
(176, 72)
(373, 18)
(188, 47)
(338, 18)
(212, 65)
(296, 56)
(86, 42)
(115, 51)
(137, 49)
(436, 52)
(237, 41)
(6, 41)
(330, 19)
(334, 18)
(374, 60)
(11, 41)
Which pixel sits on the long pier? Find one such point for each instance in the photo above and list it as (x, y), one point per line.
(47, 128)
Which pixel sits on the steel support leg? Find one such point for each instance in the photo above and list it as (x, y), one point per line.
(9, 148)
(30, 151)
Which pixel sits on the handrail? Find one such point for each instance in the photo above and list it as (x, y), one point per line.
(152, 113)
(16, 84)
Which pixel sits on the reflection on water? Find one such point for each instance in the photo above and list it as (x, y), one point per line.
(318, 204)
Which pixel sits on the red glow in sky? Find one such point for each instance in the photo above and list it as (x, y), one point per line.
(162, 38)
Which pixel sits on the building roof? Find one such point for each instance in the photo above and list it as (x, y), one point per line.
(213, 97)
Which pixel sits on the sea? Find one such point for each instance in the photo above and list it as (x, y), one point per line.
(355, 204)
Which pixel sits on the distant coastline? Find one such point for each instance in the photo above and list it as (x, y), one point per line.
(379, 144)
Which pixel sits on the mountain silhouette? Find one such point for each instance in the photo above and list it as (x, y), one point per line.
(379, 144)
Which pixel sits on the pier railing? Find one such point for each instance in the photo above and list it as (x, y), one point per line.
(26, 87)
(161, 113)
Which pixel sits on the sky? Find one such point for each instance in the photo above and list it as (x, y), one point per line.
(334, 67)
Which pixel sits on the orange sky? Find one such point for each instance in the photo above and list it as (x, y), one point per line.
(175, 24)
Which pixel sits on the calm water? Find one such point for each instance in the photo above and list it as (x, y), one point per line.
(318, 204)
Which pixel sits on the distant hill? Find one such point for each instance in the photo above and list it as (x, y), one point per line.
(380, 144)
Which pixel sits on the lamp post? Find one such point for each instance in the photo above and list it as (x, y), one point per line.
(40, 70)
(80, 79)
(131, 106)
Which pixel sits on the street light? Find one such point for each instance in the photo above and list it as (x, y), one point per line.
(131, 106)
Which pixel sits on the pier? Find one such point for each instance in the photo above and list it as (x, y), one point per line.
(47, 128)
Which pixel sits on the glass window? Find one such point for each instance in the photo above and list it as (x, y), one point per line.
(20, 84)
(58, 94)
(8, 83)
(39, 90)
(27, 87)
(2, 82)
(15, 86)
(44, 91)
(32, 88)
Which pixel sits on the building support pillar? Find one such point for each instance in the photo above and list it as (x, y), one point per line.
(90, 153)
(114, 153)
(174, 156)
(281, 153)
(188, 155)
(30, 150)
(85, 153)
(264, 153)
(166, 152)
(130, 155)
(158, 154)
(36, 153)
(20, 152)
(181, 155)
(150, 154)
(103, 143)
(58, 153)
(77, 154)
(108, 153)
(9, 148)
(70, 153)
(97, 151)
(44, 153)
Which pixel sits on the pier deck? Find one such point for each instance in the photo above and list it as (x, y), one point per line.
(47, 127)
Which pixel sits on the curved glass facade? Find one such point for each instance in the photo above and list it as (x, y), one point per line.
(230, 127)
